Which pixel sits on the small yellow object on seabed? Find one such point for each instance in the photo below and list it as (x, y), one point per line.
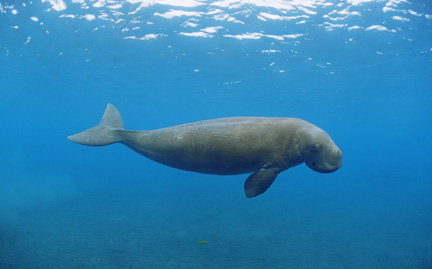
(202, 242)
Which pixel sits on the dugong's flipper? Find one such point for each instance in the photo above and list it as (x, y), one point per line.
(260, 181)
(105, 133)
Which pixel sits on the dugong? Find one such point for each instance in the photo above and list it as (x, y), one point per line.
(228, 146)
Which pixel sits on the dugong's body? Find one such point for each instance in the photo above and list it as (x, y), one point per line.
(228, 146)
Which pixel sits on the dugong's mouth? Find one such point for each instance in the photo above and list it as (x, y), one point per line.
(323, 168)
(327, 166)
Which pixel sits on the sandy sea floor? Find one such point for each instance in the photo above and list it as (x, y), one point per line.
(155, 225)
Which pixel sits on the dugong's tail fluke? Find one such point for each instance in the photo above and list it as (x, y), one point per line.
(107, 132)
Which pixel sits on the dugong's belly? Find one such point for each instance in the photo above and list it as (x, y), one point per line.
(224, 146)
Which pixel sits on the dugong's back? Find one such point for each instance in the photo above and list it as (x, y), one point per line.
(223, 146)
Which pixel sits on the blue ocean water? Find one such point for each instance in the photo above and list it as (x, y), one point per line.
(359, 69)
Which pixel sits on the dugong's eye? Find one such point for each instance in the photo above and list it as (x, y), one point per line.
(314, 148)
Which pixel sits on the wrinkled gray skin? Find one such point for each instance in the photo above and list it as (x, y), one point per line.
(228, 146)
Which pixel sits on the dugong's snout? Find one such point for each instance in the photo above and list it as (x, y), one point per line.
(329, 162)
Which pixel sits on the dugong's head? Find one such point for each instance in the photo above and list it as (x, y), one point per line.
(318, 150)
